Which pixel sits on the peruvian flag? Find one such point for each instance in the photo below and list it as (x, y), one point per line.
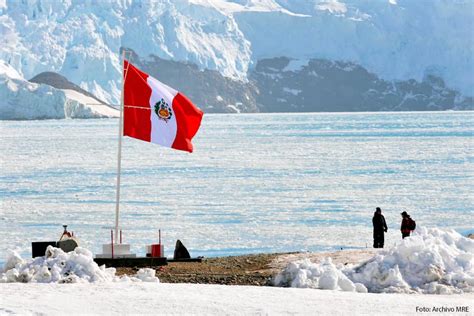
(156, 113)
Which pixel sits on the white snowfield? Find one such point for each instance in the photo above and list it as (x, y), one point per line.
(201, 299)
(24, 100)
(395, 39)
(82, 106)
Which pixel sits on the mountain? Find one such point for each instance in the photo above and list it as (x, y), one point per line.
(344, 86)
(256, 55)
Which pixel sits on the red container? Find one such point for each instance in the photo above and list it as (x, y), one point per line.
(157, 250)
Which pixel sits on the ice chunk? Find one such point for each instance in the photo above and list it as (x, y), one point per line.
(431, 261)
(57, 266)
(147, 275)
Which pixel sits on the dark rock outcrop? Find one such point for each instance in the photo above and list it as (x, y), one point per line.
(58, 81)
(208, 89)
(68, 245)
(180, 251)
(326, 86)
(319, 85)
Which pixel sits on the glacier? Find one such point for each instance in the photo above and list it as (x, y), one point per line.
(81, 40)
(24, 100)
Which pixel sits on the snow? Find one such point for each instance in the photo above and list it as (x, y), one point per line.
(394, 42)
(80, 101)
(81, 40)
(140, 298)
(24, 100)
(292, 91)
(432, 261)
(230, 7)
(7, 71)
(20, 99)
(333, 6)
(56, 266)
(71, 282)
(282, 203)
(147, 275)
(296, 64)
(233, 108)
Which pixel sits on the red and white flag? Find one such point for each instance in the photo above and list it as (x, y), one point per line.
(156, 113)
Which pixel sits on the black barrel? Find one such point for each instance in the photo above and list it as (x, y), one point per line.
(38, 248)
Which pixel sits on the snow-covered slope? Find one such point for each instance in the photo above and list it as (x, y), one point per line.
(24, 100)
(321, 85)
(393, 39)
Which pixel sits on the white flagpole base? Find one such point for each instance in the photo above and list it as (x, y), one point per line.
(120, 251)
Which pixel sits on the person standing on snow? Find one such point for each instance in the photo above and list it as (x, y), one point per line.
(380, 227)
(408, 225)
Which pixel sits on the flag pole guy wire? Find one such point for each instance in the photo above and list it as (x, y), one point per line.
(119, 158)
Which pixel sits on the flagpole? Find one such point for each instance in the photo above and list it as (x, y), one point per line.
(119, 158)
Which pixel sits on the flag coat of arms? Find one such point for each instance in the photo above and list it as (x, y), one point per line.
(156, 113)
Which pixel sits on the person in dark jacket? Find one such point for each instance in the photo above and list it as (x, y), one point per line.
(380, 227)
(407, 225)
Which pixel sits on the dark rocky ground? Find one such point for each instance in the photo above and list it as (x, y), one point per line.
(253, 269)
(237, 270)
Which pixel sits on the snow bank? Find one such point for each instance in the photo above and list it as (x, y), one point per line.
(326, 276)
(431, 261)
(56, 266)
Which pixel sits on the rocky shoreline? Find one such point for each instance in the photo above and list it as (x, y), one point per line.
(252, 269)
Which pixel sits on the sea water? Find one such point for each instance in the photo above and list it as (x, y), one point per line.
(255, 182)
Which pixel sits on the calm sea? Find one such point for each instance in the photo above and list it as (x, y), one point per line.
(255, 183)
